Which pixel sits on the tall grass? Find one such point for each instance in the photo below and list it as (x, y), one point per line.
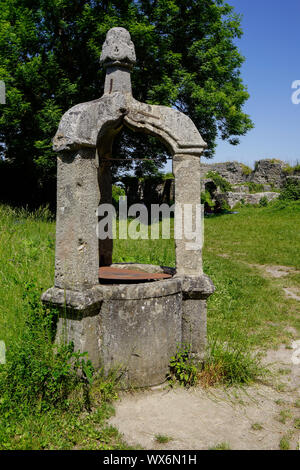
(247, 312)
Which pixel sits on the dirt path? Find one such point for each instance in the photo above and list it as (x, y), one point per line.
(256, 417)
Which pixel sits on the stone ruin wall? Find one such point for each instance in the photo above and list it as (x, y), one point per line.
(269, 173)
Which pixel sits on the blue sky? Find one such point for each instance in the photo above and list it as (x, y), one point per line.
(271, 45)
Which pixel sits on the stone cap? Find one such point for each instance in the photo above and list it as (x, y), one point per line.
(118, 49)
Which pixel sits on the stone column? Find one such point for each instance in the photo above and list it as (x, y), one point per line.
(195, 292)
(76, 257)
(196, 287)
(186, 169)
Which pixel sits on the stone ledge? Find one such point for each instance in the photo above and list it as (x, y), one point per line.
(88, 302)
(197, 287)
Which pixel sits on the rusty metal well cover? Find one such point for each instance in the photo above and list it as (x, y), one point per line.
(109, 274)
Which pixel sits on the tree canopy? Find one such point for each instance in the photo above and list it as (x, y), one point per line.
(49, 59)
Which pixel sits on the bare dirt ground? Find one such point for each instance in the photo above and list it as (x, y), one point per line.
(256, 417)
(263, 416)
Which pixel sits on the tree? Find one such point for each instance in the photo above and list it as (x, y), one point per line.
(49, 59)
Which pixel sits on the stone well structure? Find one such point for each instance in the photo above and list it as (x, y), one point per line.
(136, 327)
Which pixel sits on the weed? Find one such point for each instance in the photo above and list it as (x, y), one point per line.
(229, 365)
(284, 371)
(257, 427)
(221, 446)
(280, 402)
(183, 367)
(222, 365)
(280, 387)
(297, 404)
(284, 415)
(297, 423)
(162, 439)
(284, 444)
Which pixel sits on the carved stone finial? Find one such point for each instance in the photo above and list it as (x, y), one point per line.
(118, 48)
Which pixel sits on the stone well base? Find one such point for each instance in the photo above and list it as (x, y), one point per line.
(135, 327)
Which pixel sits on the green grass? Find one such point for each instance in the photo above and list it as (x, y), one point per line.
(162, 439)
(284, 444)
(221, 446)
(257, 427)
(248, 311)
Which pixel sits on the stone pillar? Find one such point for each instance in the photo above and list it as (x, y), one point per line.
(196, 287)
(195, 292)
(76, 257)
(186, 170)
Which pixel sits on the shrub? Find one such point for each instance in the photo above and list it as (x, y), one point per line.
(183, 367)
(222, 206)
(263, 202)
(291, 190)
(219, 181)
(297, 168)
(246, 170)
(206, 199)
(288, 169)
(117, 192)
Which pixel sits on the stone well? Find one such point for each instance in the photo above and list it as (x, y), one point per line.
(135, 326)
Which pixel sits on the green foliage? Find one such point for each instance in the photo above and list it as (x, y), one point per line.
(297, 168)
(183, 367)
(221, 446)
(263, 202)
(255, 187)
(162, 439)
(284, 443)
(206, 199)
(226, 365)
(257, 427)
(288, 170)
(223, 207)
(168, 176)
(246, 170)
(219, 181)
(297, 423)
(237, 322)
(39, 375)
(291, 190)
(49, 56)
(230, 364)
(117, 192)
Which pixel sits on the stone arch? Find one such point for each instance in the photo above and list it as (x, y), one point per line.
(98, 318)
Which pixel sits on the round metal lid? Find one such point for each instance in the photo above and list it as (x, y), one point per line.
(109, 274)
